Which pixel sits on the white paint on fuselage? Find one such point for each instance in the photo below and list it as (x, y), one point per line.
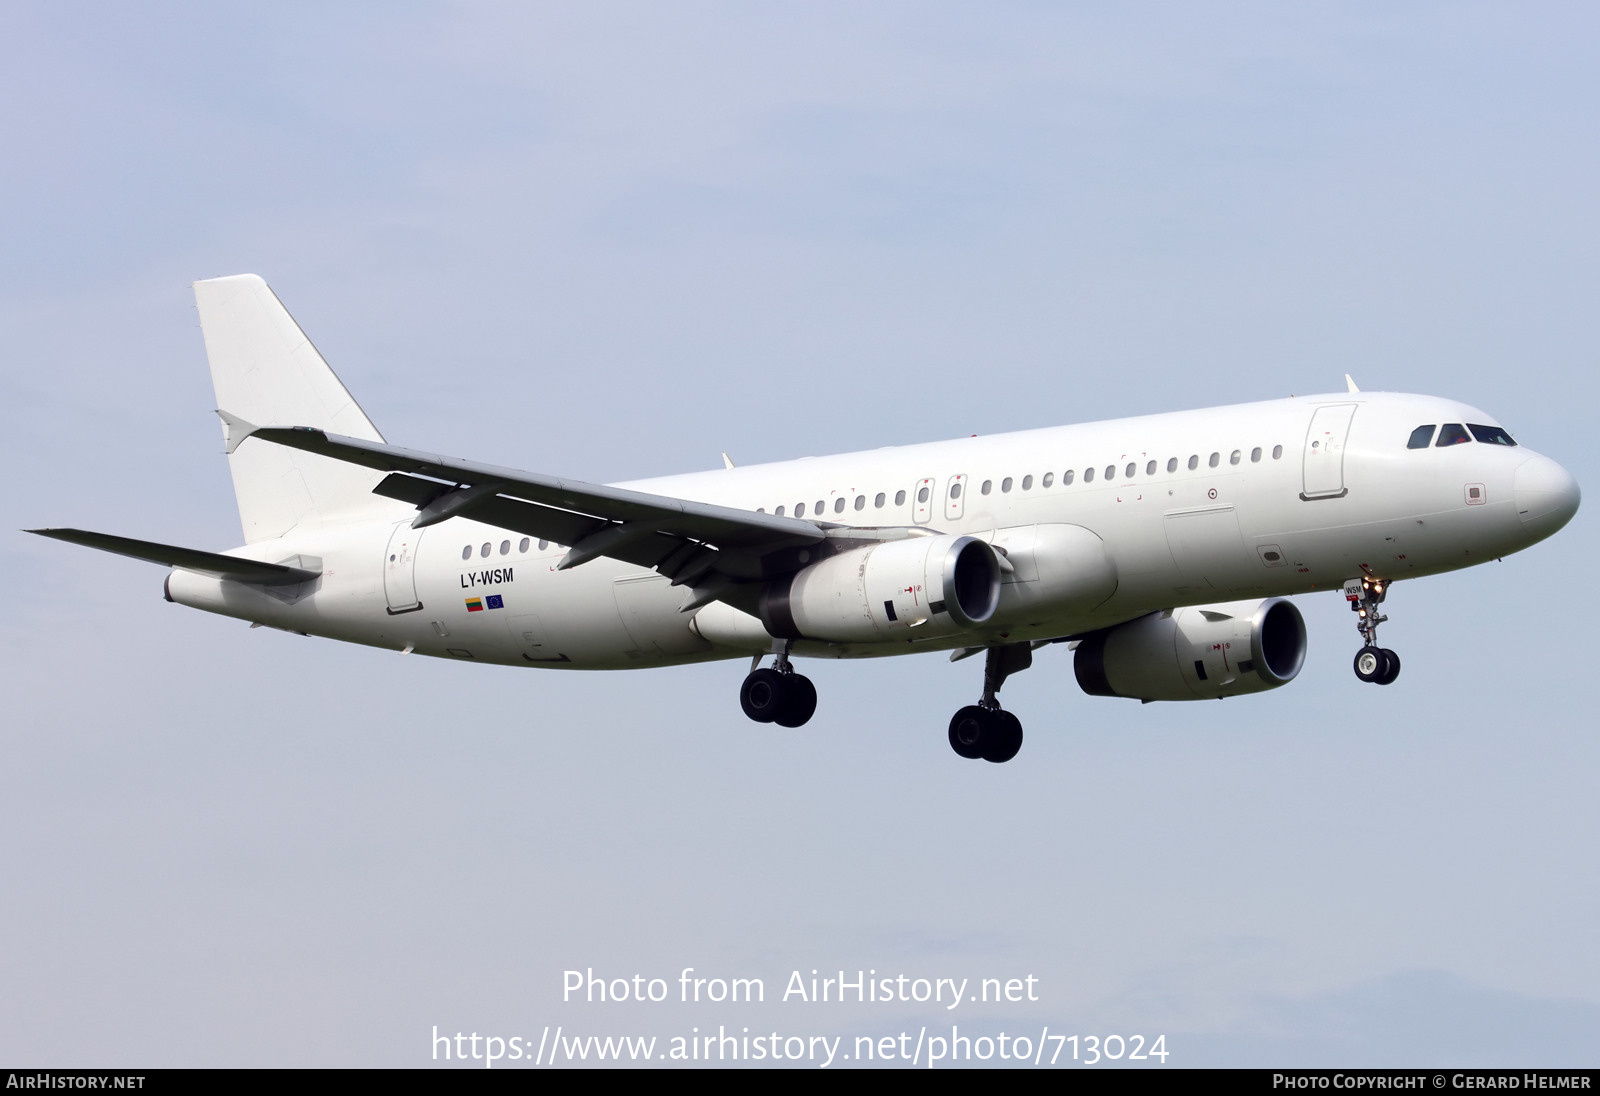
(1170, 535)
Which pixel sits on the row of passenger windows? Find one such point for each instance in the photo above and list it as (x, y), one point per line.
(1045, 481)
(881, 499)
(505, 548)
(1453, 433)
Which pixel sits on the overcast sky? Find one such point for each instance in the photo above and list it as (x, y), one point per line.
(612, 240)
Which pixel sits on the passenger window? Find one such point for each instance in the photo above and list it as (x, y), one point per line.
(1129, 471)
(1255, 455)
(1490, 435)
(1421, 437)
(1066, 477)
(1150, 469)
(838, 505)
(484, 551)
(1027, 483)
(877, 503)
(1005, 485)
(1277, 452)
(899, 498)
(955, 490)
(922, 494)
(820, 507)
(987, 484)
(523, 547)
(1049, 478)
(799, 509)
(1172, 465)
(1452, 433)
(861, 502)
(1111, 471)
(1216, 459)
(543, 544)
(1194, 461)
(1088, 475)
(1233, 458)
(779, 512)
(505, 547)
(466, 553)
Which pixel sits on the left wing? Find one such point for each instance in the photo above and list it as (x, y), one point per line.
(715, 550)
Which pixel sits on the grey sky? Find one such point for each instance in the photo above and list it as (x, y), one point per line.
(611, 240)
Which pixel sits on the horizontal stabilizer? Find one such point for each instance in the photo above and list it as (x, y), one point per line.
(190, 559)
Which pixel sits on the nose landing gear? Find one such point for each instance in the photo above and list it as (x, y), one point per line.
(1378, 665)
(778, 694)
(985, 729)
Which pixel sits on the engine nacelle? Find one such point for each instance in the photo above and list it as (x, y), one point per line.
(917, 588)
(1196, 653)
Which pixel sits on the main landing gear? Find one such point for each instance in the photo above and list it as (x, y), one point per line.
(1373, 663)
(778, 694)
(985, 729)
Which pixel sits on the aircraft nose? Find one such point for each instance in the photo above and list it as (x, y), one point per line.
(1545, 494)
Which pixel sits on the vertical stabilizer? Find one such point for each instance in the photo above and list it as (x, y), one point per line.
(267, 373)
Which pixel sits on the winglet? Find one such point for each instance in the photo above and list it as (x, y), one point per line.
(727, 461)
(1350, 384)
(234, 430)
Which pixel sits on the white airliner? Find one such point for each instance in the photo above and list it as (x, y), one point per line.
(1161, 548)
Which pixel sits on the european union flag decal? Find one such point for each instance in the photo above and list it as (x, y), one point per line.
(494, 601)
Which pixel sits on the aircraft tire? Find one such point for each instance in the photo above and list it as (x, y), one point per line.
(762, 695)
(1002, 738)
(798, 701)
(968, 729)
(1391, 668)
(1371, 663)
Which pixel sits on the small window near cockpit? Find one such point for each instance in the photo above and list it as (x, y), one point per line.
(1452, 433)
(1490, 435)
(1421, 437)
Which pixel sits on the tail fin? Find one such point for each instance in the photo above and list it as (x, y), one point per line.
(266, 371)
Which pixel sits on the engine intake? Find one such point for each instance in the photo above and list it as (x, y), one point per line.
(1199, 652)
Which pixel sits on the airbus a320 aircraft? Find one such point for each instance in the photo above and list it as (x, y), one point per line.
(1162, 548)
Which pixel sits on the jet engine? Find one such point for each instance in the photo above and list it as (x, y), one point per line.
(916, 588)
(1199, 652)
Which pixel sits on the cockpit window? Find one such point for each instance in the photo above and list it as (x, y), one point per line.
(1453, 433)
(1421, 437)
(1490, 435)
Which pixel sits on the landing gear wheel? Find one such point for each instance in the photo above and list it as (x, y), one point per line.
(798, 702)
(1372, 663)
(967, 732)
(1002, 737)
(762, 695)
(1391, 669)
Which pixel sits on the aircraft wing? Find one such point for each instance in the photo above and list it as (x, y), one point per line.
(190, 559)
(708, 547)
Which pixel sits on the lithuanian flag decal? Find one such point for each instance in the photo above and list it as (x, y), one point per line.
(474, 604)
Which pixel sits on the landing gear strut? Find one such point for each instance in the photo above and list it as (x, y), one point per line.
(778, 694)
(985, 729)
(1373, 663)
